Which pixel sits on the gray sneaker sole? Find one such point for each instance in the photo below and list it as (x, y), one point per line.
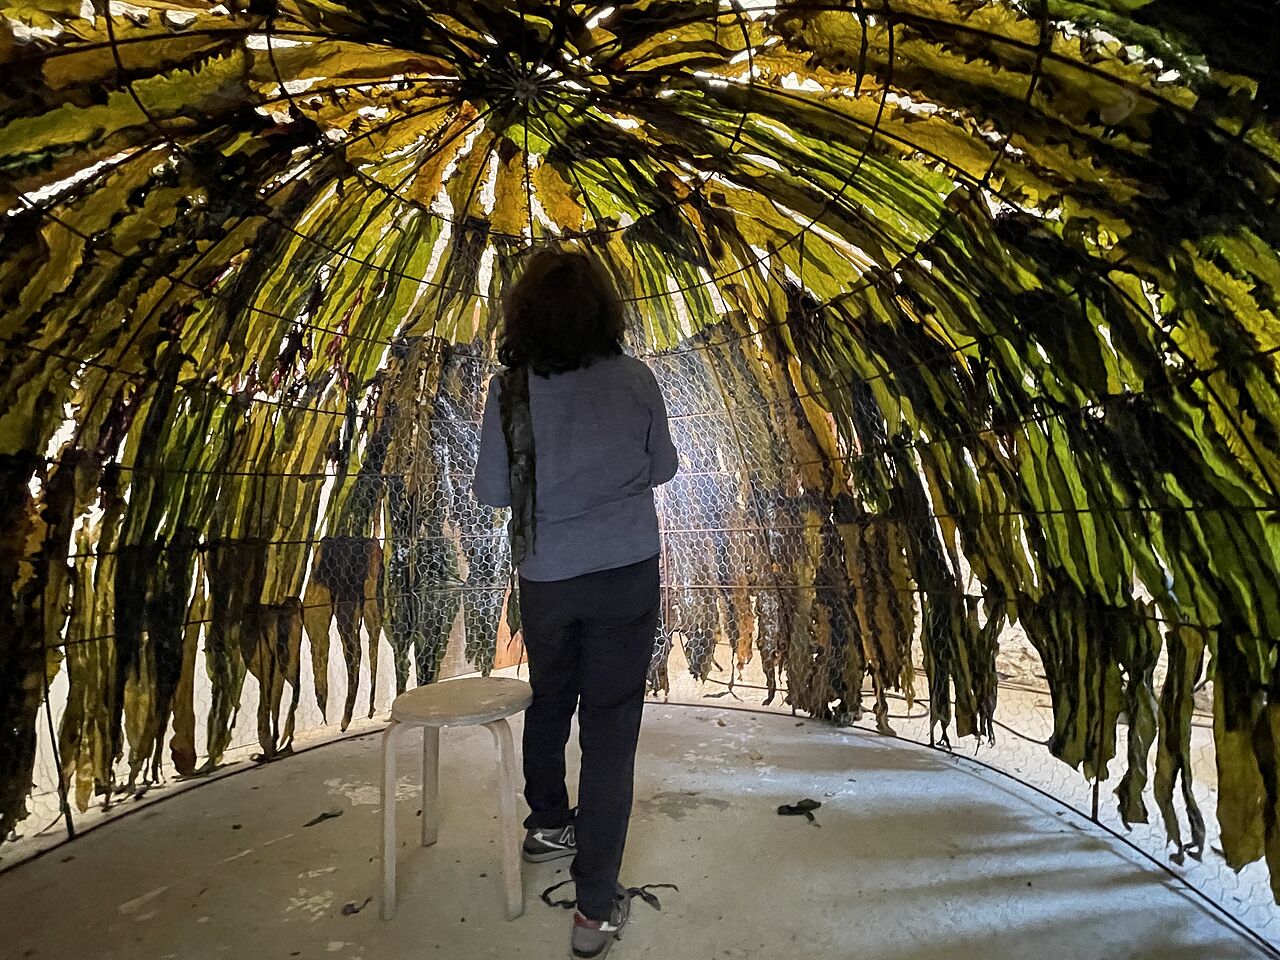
(546, 856)
(599, 954)
(608, 944)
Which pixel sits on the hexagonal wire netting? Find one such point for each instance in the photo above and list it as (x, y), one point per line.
(774, 588)
(756, 592)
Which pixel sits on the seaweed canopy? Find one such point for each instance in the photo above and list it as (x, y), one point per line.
(966, 311)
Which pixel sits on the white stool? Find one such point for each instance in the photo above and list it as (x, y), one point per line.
(454, 703)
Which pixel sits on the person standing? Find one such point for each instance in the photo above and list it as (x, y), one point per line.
(575, 439)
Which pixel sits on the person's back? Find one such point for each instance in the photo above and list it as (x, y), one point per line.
(601, 446)
(574, 439)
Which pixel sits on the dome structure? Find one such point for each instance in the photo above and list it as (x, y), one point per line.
(965, 313)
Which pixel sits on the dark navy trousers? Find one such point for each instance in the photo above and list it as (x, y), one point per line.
(589, 641)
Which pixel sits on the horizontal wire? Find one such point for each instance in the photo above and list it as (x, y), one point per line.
(895, 16)
(332, 604)
(951, 352)
(203, 546)
(502, 585)
(200, 291)
(759, 530)
(197, 385)
(329, 474)
(945, 595)
(1010, 426)
(888, 446)
(893, 518)
(1015, 686)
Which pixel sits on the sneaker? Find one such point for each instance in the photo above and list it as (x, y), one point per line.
(593, 938)
(542, 844)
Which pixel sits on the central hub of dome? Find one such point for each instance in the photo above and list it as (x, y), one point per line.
(517, 82)
(526, 88)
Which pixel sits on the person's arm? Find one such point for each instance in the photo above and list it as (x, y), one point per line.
(492, 483)
(663, 460)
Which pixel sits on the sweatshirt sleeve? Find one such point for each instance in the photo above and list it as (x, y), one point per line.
(663, 460)
(492, 483)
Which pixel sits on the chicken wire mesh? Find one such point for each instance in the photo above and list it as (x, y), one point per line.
(762, 606)
(885, 262)
(761, 581)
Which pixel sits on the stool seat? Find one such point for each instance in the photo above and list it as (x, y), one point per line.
(461, 703)
(469, 701)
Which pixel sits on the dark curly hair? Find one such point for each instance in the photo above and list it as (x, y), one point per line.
(563, 313)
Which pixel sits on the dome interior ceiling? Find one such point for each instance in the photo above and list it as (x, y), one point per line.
(982, 296)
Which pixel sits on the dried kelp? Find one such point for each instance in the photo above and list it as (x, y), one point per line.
(955, 326)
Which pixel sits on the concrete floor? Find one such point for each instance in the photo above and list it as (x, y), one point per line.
(915, 857)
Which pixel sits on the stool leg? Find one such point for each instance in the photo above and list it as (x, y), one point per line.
(430, 785)
(390, 740)
(511, 877)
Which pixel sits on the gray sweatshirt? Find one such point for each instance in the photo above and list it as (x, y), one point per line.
(601, 444)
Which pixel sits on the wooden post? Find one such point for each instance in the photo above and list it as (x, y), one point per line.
(390, 740)
(512, 880)
(430, 785)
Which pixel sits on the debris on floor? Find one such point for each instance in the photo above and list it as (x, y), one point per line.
(804, 809)
(327, 815)
(351, 909)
